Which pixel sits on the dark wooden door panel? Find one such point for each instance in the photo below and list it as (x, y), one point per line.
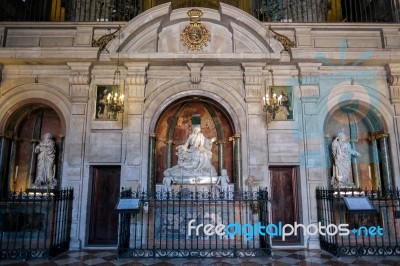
(284, 200)
(103, 226)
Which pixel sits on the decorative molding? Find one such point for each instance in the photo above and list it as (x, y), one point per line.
(284, 40)
(79, 79)
(79, 93)
(252, 79)
(309, 91)
(136, 79)
(104, 40)
(195, 35)
(309, 80)
(170, 141)
(393, 79)
(195, 72)
(381, 136)
(395, 94)
(135, 100)
(79, 99)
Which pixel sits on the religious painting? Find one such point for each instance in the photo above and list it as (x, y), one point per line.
(283, 97)
(102, 102)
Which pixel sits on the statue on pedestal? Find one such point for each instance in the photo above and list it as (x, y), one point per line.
(342, 151)
(46, 168)
(223, 181)
(194, 160)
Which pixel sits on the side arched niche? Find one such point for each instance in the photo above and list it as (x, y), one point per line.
(23, 129)
(174, 126)
(367, 133)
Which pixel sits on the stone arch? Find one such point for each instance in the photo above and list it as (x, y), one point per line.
(34, 93)
(367, 97)
(364, 114)
(165, 95)
(27, 113)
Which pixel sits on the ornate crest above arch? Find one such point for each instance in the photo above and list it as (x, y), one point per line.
(232, 32)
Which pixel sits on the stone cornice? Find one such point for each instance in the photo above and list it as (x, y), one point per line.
(47, 55)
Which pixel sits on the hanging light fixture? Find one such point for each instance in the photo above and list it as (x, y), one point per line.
(271, 101)
(115, 98)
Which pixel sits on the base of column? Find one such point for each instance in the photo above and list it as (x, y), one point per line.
(313, 243)
(75, 244)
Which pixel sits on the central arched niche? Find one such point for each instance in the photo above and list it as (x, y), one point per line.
(174, 126)
(364, 127)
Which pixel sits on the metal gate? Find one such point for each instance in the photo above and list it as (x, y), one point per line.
(192, 224)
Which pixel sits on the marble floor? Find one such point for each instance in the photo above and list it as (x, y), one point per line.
(279, 258)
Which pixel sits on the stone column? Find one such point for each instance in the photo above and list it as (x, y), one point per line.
(32, 164)
(168, 147)
(376, 178)
(394, 85)
(237, 159)
(137, 140)
(151, 180)
(255, 141)
(60, 161)
(353, 140)
(220, 144)
(1, 66)
(11, 165)
(354, 165)
(314, 165)
(4, 148)
(79, 79)
(387, 176)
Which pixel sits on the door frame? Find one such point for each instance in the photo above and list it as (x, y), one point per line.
(296, 195)
(89, 205)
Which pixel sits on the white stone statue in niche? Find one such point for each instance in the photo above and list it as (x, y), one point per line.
(194, 160)
(46, 168)
(342, 152)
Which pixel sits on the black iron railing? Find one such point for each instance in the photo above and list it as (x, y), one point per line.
(368, 11)
(35, 224)
(372, 231)
(165, 226)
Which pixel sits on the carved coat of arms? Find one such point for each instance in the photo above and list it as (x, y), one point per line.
(195, 35)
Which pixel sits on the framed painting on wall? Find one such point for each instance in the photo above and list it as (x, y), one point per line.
(284, 108)
(101, 108)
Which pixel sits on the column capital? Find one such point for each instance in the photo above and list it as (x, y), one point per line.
(381, 136)
(136, 67)
(253, 80)
(136, 79)
(195, 72)
(309, 91)
(308, 73)
(80, 67)
(169, 141)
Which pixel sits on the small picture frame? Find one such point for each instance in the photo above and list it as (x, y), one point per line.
(285, 109)
(101, 109)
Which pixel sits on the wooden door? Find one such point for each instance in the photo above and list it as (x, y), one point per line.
(284, 201)
(103, 225)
